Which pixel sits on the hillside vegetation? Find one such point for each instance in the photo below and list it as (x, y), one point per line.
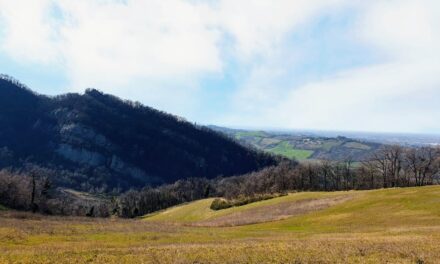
(96, 142)
(400, 225)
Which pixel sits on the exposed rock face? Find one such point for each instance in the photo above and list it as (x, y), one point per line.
(120, 166)
(97, 141)
(76, 138)
(65, 115)
(81, 155)
(78, 134)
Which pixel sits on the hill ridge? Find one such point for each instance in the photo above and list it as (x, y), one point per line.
(96, 141)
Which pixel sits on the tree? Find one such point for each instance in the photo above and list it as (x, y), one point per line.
(421, 164)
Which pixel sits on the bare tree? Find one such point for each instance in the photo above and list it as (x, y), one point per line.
(421, 164)
(327, 170)
(347, 173)
(394, 155)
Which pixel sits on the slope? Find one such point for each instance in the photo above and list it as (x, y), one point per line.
(380, 226)
(95, 141)
(370, 211)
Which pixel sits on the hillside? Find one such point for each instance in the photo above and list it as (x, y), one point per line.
(318, 211)
(303, 146)
(95, 141)
(198, 213)
(380, 226)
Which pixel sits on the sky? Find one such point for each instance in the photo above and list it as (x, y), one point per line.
(341, 65)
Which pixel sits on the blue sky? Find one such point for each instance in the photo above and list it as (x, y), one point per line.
(286, 64)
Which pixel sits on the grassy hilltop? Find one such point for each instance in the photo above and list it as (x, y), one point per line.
(394, 226)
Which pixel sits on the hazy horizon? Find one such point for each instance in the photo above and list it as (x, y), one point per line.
(340, 65)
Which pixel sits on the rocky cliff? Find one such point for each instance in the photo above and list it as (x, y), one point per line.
(95, 140)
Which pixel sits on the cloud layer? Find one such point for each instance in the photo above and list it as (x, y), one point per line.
(338, 64)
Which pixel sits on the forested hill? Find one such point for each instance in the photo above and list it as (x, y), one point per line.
(97, 141)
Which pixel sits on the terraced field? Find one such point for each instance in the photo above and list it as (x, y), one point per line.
(379, 226)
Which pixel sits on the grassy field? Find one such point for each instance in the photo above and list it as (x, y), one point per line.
(286, 150)
(239, 135)
(282, 148)
(379, 226)
(357, 145)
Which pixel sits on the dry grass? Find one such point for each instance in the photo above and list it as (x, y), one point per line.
(316, 251)
(273, 212)
(384, 226)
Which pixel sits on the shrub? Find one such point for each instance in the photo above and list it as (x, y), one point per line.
(219, 204)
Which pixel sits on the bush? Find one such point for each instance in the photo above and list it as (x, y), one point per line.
(219, 204)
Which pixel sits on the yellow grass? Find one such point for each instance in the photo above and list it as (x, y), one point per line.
(199, 210)
(393, 226)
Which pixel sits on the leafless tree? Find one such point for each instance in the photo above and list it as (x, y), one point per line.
(420, 163)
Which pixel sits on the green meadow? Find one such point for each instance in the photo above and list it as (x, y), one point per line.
(286, 150)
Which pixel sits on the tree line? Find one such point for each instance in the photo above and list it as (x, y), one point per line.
(390, 166)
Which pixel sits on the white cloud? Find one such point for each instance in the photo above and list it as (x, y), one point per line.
(114, 45)
(398, 94)
(259, 26)
(157, 51)
(29, 33)
(379, 98)
(404, 29)
(158, 45)
(142, 38)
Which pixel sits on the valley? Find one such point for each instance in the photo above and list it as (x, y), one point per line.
(92, 178)
(219, 132)
(304, 146)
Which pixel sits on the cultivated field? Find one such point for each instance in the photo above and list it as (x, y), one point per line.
(303, 147)
(286, 150)
(380, 226)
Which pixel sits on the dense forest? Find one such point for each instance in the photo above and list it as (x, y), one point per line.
(98, 143)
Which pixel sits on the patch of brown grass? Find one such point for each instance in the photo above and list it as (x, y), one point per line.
(273, 212)
(317, 250)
